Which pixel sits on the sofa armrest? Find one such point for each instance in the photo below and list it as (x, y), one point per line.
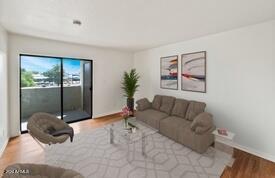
(202, 123)
(143, 104)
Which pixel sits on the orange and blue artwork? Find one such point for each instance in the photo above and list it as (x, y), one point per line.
(193, 72)
(169, 72)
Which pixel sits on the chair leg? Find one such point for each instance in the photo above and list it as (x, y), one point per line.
(40, 144)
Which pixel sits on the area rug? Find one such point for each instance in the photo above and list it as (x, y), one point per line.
(93, 156)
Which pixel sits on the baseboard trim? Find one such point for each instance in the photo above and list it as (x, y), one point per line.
(2, 149)
(111, 114)
(252, 151)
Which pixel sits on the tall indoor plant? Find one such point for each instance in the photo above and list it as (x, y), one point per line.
(130, 86)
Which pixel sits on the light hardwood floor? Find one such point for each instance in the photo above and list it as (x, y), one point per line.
(24, 149)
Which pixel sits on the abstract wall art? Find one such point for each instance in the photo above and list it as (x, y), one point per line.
(193, 72)
(169, 72)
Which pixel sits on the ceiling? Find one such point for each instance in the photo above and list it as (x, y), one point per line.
(130, 25)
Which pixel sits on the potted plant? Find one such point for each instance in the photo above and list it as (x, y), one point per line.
(130, 86)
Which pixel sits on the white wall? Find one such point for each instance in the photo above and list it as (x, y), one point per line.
(109, 66)
(3, 39)
(240, 82)
(3, 88)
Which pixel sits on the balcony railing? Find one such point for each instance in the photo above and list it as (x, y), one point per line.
(48, 99)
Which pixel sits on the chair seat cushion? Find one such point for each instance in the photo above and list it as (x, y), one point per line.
(170, 126)
(151, 117)
(66, 131)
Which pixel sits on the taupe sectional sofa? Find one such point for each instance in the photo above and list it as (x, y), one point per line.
(183, 121)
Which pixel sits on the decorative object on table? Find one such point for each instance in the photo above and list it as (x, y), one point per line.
(126, 112)
(169, 72)
(193, 72)
(130, 86)
(224, 143)
(222, 131)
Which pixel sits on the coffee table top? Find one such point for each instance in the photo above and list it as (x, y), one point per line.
(142, 130)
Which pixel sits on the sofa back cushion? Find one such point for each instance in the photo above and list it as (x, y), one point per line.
(194, 109)
(167, 104)
(156, 102)
(180, 108)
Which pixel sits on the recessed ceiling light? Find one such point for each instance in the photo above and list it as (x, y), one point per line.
(77, 22)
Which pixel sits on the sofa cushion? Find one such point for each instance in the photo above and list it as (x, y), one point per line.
(143, 104)
(167, 104)
(170, 126)
(151, 117)
(180, 108)
(194, 109)
(202, 123)
(156, 102)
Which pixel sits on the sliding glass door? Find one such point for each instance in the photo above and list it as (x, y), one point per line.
(60, 86)
(76, 89)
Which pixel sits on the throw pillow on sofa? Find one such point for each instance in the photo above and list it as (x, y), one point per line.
(167, 104)
(202, 123)
(143, 104)
(194, 109)
(180, 108)
(156, 102)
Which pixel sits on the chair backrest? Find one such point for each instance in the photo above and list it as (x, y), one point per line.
(45, 121)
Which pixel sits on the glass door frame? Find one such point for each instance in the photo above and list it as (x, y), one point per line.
(61, 86)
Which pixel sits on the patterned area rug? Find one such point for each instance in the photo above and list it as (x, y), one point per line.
(93, 156)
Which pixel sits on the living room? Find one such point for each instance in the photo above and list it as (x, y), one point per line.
(208, 65)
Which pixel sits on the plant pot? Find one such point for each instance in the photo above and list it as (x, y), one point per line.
(130, 105)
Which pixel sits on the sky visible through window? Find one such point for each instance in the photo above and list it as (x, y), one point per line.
(43, 64)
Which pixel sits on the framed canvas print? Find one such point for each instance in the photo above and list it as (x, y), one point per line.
(193, 72)
(169, 72)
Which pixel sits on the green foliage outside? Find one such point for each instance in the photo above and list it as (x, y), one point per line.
(54, 74)
(26, 79)
(130, 83)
